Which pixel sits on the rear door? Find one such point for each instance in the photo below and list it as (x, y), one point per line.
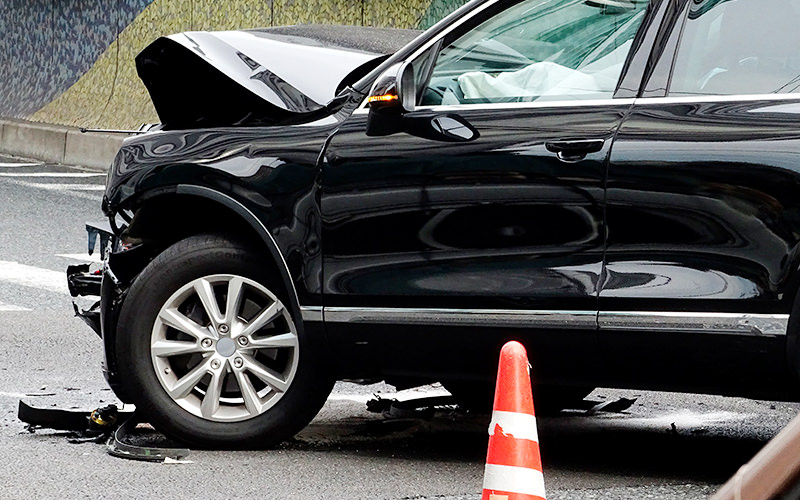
(702, 202)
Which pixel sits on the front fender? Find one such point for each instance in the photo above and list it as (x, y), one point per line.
(258, 226)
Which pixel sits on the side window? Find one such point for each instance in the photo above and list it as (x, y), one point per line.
(538, 50)
(738, 47)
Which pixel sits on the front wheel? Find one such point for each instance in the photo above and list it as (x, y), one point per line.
(210, 352)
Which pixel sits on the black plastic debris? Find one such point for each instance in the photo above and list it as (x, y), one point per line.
(129, 442)
(423, 407)
(95, 426)
(615, 406)
(101, 230)
(120, 430)
(82, 282)
(50, 418)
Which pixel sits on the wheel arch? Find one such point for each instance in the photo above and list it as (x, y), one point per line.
(163, 217)
(257, 226)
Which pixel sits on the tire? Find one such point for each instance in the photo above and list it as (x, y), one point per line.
(548, 400)
(210, 371)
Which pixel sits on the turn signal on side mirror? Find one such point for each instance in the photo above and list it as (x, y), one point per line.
(382, 98)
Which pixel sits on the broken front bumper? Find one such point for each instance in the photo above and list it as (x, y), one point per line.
(83, 282)
(102, 285)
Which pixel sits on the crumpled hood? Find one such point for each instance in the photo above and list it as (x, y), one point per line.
(243, 78)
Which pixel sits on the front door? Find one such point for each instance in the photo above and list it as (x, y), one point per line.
(497, 237)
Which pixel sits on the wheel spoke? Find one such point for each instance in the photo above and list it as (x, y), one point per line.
(167, 348)
(185, 384)
(266, 375)
(249, 394)
(234, 300)
(205, 292)
(281, 340)
(263, 318)
(210, 403)
(177, 320)
(202, 342)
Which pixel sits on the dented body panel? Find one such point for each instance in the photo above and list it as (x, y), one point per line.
(252, 77)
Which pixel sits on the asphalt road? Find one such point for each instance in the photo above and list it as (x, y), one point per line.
(666, 446)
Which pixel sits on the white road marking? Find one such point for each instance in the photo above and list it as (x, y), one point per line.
(12, 308)
(67, 187)
(12, 165)
(33, 277)
(15, 395)
(87, 195)
(355, 398)
(85, 257)
(689, 419)
(52, 174)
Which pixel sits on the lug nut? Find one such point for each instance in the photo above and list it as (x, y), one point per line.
(215, 364)
(167, 371)
(238, 362)
(242, 341)
(206, 343)
(223, 328)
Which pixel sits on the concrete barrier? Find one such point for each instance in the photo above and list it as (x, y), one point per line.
(58, 144)
(91, 149)
(43, 142)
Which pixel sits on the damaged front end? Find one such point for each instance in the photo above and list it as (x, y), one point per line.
(266, 78)
(224, 100)
(83, 281)
(105, 288)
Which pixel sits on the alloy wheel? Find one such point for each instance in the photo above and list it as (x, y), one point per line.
(224, 348)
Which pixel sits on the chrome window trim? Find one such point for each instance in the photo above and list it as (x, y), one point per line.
(759, 325)
(532, 104)
(718, 98)
(605, 102)
(519, 105)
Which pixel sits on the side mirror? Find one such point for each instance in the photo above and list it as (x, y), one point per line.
(391, 104)
(393, 94)
(441, 127)
(394, 89)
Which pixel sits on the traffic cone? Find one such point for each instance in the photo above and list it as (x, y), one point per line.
(513, 463)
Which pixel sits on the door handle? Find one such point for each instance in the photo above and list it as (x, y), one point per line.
(574, 150)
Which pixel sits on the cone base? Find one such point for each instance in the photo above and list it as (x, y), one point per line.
(507, 495)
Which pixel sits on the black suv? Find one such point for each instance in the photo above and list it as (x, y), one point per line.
(614, 183)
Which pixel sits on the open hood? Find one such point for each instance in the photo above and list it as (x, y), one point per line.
(244, 78)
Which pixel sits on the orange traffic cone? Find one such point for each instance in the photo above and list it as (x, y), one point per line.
(513, 464)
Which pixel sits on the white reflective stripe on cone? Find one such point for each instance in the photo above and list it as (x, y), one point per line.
(518, 425)
(514, 479)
